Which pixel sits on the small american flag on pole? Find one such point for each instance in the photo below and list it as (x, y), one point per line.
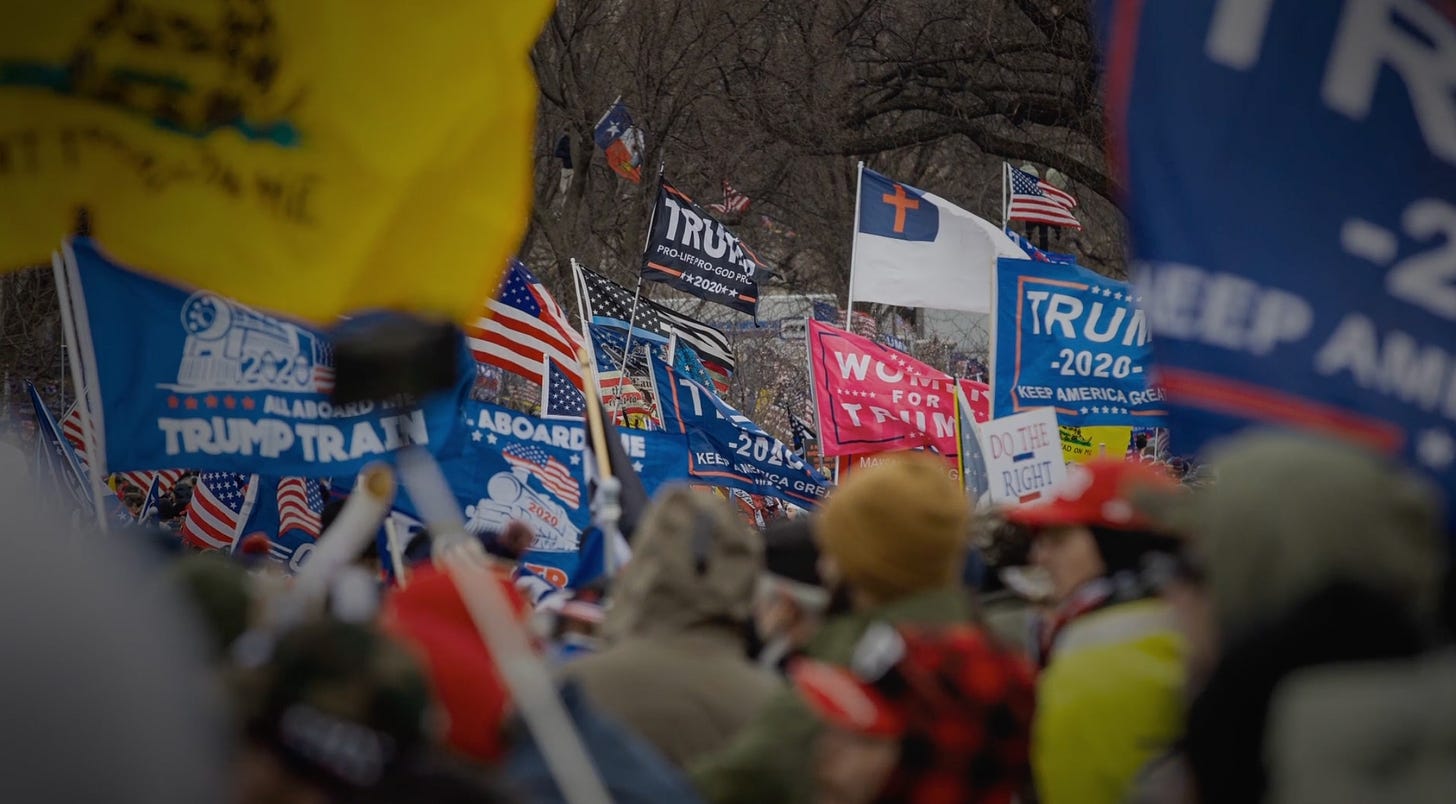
(299, 502)
(1037, 201)
(523, 327)
(734, 202)
(219, 508)
(553, 473)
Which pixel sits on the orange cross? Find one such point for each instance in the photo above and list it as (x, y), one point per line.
(900, 202)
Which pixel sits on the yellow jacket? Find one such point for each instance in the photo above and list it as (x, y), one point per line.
(1110, 701)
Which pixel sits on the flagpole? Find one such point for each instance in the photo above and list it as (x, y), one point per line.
(849, 297)
(91, 426)
(1005, 173)
(814, 397)
(627, 345)
(632, 317)
(599, 434)
(576, 282)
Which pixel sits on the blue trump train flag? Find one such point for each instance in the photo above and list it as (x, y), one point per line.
(725, 448)
(504, 465)
(1295, 217)
(1073, 340)
(189, 378)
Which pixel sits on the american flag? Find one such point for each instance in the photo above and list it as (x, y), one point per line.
(1162, 444)
(553, 473)
(1039, 202)
(734, 202)
(860, 323)
(73, 428)
(611, 304)
(522, 327)
(299, 502)
(559, 398)
(166, 479)
(219, 509)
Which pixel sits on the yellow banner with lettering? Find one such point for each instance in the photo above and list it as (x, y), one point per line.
(311, 157)
(1082, 444)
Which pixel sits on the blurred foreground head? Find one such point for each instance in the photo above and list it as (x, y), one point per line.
(896, 529)
(1291, 514)
(694, 563)
(106, 692)
(337, 708)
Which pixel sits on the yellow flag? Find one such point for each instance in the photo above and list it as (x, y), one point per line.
(1082, 444)
(311, 157)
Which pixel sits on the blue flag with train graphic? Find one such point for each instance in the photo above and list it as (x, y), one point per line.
(505, 466)
(190, 378)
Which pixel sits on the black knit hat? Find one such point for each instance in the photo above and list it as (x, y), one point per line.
(790, 551)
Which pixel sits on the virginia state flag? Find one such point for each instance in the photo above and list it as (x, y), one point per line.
(915, 249)
(310, 158)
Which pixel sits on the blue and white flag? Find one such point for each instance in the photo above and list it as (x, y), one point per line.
(916, 249)
(149, 505)
(1074, 340)
(1295, 217)
(189, 378)
(725, 448)
(1037, 254)
(505, 466)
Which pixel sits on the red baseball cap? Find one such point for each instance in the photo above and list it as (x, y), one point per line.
(1098, 493)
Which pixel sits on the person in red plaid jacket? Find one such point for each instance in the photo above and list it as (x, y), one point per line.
(921, 716)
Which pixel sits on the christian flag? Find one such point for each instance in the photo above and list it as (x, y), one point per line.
(916, 249)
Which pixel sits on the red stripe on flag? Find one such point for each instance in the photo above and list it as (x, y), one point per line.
(1221, 395)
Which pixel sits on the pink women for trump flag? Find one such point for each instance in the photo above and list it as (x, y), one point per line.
(871, 398)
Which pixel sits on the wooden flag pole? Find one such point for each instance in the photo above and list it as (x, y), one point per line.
(594, 417)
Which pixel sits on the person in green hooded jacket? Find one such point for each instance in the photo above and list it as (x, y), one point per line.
(893, 540)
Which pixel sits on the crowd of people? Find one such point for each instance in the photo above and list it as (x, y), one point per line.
(1278, 634)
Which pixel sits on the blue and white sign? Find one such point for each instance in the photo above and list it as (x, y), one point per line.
(189, 378)
(1073, 340)
(1295, 216)
(506, 465)
(725, 448)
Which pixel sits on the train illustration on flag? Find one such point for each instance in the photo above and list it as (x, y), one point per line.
(510, 497)
(230, 347)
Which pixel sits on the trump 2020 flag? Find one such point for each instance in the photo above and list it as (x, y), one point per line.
(1295, 218)
(916, 249)
(726, 448)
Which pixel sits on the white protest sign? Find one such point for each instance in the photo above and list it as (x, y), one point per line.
(1023, 455)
